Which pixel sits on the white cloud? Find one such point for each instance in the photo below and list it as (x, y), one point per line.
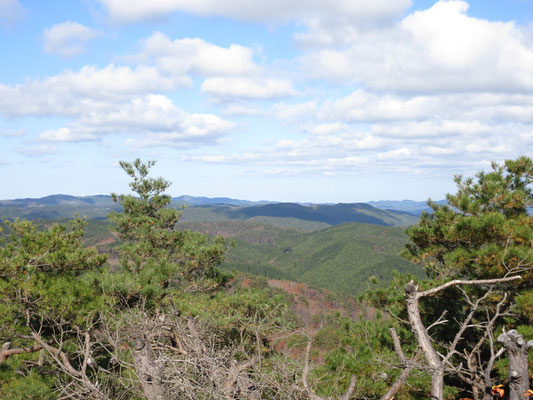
(71, 93)
(68, 38)
(329, 129)
(243, 109)
(438, 49)
(151, 120)
(360, 11)
(247, 88)
(435, 129)
(295, 112)
(402, 153)
(112, 100)
(66, 135)
(38, 150)
(415, 146)
(362, 105)
(12, 132)
(322, 22)
(11, 12)
(183, 56)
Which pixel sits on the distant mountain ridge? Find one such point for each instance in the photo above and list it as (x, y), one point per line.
(59, 199)
(222, 208)
(409, 206)
(101, 199)
(331, 214)
(199, 200)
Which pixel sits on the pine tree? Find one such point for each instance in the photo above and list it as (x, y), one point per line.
(153, 249)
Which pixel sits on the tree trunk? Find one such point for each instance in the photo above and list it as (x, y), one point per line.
(148, 372)
(517, 348)
(422, 336)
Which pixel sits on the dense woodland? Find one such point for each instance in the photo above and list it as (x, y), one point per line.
(160, 319)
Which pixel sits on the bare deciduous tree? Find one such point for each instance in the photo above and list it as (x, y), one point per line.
(437, 363)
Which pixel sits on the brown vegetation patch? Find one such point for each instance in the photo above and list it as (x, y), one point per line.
(105, 242)
(309, 304)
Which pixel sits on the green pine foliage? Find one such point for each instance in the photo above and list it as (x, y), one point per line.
(44, 288)
(484, 232)
(153, 252)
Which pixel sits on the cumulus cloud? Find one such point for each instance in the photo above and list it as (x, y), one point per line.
(151, 120)
(66, 135)
(194, 55)
(247, 87)
(362, 106)
(416, 134)
(266, 11)
(322, 22)
(111, 100)
(434, 89)
(438, 49)
(353, 151)
(68, 38)
(71, 93)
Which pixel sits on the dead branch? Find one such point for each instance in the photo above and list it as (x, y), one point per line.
(437, 362)
(407, 366)
(6, 351)
(305, 374)
(456, 282)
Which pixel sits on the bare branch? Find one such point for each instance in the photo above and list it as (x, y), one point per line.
(466, 282)
(397, 346)
(305, 374)
(6, 351)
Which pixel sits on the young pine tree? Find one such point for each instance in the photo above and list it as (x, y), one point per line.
(153, 250)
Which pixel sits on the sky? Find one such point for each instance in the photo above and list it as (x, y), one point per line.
(286, 100)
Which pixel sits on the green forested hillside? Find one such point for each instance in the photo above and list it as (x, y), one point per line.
(332, 214)
(339, 258)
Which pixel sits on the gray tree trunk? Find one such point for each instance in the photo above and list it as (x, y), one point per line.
(517, 349)
(422, 336)
(148, 372)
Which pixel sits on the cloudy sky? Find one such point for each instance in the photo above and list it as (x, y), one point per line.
(290, 100)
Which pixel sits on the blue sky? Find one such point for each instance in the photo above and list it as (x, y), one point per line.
(299, 100)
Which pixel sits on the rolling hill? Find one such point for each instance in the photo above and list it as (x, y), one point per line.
(205, 209)
(339, 258)
(331, 246)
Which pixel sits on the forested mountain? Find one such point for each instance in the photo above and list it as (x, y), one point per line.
(340, 258)
(205, 209)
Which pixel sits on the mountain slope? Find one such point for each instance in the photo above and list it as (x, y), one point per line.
(339, 258)
(330, 214)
